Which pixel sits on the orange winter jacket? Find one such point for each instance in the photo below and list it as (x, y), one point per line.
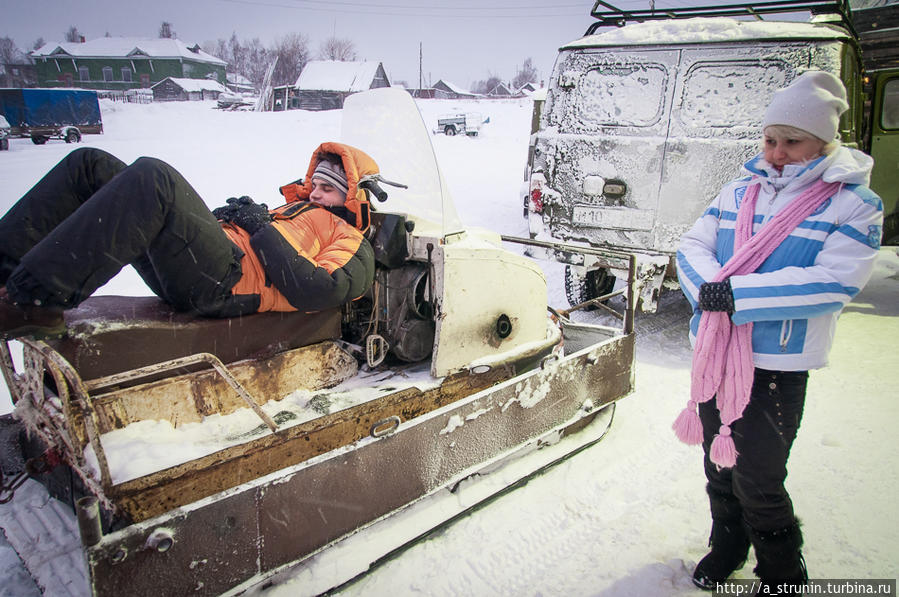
(308, 258)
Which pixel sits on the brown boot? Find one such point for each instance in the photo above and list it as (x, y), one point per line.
(28, 320)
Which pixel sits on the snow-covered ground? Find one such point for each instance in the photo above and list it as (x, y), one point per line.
(626, 517)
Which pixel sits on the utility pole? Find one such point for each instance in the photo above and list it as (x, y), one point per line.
(419, 68)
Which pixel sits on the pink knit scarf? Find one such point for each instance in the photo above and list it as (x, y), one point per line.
(722, 355)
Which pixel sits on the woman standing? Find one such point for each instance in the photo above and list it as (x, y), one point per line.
(768, 268)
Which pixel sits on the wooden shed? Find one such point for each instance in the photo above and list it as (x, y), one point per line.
(447, 90)
(177, 89)
(325, 84)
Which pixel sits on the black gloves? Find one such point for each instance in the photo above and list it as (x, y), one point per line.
(241, 211)
(716, 296)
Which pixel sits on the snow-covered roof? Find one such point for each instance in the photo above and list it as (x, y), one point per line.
(333, 75)
(705, 30)
(130, 47)
(237, 79)
(453, 87)
(195, 84)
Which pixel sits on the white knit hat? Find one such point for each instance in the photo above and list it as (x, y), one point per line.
(813, 103)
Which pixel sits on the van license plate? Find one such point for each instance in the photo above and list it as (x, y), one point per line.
(623, 218)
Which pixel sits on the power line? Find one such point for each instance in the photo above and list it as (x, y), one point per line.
(455, 14)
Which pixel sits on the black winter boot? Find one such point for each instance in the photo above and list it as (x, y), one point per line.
(28, 320)
(728, 540)
(780, 560)
(730, 546)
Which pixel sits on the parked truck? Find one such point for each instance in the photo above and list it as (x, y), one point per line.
(43, 114)
(651, 112)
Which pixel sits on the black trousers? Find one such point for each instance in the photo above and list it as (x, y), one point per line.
(763, 437)
(91, 215)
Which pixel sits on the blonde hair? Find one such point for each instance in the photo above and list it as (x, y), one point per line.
(784, 131)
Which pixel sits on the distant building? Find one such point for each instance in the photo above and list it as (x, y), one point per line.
(178, 89)
(446, 90)
(325, 84)
(501, 90)
(18, 75)
(118, 63)
(239, 83)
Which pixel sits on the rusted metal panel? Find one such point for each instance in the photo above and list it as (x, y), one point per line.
(283, 517)
(190, 397)
(111, 334)
(158, 492)
(211, 549)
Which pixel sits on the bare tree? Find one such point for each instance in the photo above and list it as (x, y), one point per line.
(73, 35)
(487, 85)
(335, 48)
(38, 43)
(292, 51)
(250, 59)
(526, 74)
(9, 53)
(166, 31)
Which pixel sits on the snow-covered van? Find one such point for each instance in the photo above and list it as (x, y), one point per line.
(644, 123)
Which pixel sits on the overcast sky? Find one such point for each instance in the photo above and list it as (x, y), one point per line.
(461, 41)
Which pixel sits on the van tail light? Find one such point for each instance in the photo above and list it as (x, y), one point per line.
(535, 192)
(537, 200)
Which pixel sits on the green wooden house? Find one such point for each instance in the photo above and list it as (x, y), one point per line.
(121, 63)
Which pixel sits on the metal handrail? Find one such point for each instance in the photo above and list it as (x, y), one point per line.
(611, 258)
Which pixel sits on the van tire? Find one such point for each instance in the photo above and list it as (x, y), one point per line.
(891, 230)
(4, 144)
(450, 131)
(39, 139)
(580, 289)
(73, 136)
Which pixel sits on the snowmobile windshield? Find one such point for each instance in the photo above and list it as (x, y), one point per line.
(386, 124)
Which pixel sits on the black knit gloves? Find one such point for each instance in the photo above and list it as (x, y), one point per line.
(241, 211)
(716, 296)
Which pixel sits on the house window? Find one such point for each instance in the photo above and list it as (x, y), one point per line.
(107, 73)
(84, 74)
(145, 81)
(126, 74)
(66, 79)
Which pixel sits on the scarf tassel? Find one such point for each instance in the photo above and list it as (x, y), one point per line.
(688, 426)
(723, 452)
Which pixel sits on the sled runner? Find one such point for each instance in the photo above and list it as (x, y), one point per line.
(449, 379)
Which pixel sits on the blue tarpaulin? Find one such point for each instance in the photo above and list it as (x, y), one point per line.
(28, 108)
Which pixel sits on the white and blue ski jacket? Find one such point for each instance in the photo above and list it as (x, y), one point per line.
(796, 295)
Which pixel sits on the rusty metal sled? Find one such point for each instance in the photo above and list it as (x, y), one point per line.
(240, 515)
(472, 385)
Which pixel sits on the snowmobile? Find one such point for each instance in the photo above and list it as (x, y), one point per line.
(446, 385)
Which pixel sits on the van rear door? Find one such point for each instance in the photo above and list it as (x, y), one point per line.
(720, 99)
(607, 121)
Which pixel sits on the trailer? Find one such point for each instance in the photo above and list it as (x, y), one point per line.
(43, 114)
(468, 123)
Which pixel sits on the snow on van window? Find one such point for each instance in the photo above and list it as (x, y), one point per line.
(608, 95)
(728, 94)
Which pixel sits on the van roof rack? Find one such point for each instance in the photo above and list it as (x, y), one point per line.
(608, 15)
